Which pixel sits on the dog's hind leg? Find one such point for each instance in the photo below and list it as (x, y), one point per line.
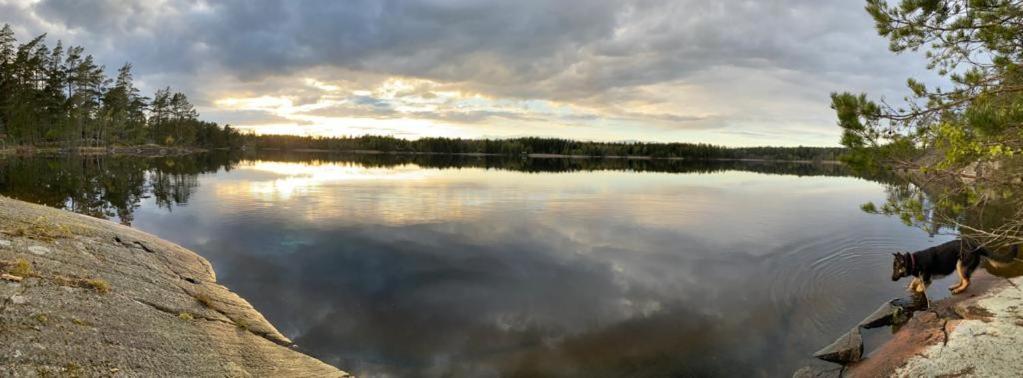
(964, 279)
(964, 268)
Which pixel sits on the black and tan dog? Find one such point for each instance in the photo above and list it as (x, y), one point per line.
(955, 256)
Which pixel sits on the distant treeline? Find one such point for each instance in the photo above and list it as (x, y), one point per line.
(61, 97)
(533, 145)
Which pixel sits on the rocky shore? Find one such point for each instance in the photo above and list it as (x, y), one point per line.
(979, 333)
(86, 297)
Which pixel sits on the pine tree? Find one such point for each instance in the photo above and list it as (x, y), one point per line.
(976, 44)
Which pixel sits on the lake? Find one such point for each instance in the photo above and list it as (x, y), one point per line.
(389, 265)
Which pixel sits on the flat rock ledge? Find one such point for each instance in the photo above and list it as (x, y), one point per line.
(81, 296)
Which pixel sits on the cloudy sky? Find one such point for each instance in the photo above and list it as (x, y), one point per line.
(727, 72)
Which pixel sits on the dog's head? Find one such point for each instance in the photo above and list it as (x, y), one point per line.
(900, 266)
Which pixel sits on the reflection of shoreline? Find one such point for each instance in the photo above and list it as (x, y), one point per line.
(550, 163)
(536, 155)
(111, 186)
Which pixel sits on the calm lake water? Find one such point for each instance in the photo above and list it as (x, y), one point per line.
(430, 266)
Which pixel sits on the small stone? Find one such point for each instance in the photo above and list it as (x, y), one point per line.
(39, 250)
(5, 243)
(845, 350)
(19, 299)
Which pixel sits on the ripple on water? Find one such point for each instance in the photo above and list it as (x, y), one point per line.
(807, 280)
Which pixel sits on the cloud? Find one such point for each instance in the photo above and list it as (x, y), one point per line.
(601, 55)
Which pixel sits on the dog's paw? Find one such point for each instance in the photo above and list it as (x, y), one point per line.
(957, 290)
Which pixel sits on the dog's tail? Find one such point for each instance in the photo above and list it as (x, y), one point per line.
(1003, 258)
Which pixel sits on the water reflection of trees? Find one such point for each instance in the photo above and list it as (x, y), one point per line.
(106, 187)
(113, 187)
(542, 165)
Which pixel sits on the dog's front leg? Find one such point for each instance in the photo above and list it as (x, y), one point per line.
(916, 285)
(921, 285)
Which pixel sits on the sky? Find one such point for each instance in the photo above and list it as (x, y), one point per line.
(735, 73)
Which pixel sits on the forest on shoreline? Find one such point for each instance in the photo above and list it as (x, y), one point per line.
(62, 98)
(537, 145)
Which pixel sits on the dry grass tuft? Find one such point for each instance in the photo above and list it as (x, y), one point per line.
(80, 322)
(21, 268)
(42, 319)
(204, 299)
(97, 284)
(100, 285)
(40, 229)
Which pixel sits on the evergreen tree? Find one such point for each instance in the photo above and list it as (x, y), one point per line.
(63, 97)
(976, 44)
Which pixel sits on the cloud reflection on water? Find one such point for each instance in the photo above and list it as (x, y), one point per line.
(474, 272)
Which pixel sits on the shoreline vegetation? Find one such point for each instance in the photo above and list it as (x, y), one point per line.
(151, 150)
(539, 147)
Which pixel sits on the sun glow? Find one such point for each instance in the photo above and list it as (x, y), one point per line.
(413, 108)
(295, 179)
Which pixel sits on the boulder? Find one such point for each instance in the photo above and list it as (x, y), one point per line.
(895, 311)
(847, 349)
(883, 316)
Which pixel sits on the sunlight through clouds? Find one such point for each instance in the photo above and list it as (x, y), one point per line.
(601, 70)
(415, 108)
